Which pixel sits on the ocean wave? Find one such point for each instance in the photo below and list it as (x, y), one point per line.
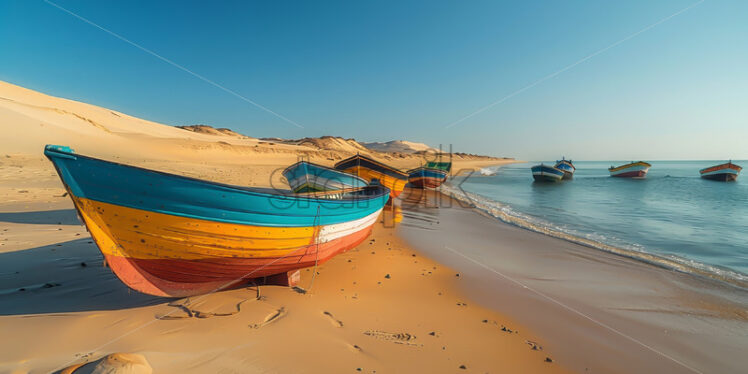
(488, 171)
(507, 214)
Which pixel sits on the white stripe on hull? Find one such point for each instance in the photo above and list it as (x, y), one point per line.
(721, 171)
(548, 176)
(339, 230)
(631, 169)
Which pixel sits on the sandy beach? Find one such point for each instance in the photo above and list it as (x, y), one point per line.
(439, 286)
(381, 307)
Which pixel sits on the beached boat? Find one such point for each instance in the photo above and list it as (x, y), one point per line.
(545, 173)
(370, 169)
(567, 167)
(169, 235)
(441, 165)
(426, 177)
(308, 177)
(637, 169)
(723, 172)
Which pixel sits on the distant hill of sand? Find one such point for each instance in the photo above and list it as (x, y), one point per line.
(210, 130)
(30, 119)
(402, 146)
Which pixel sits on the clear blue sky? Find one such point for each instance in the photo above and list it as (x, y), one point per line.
(378, 71)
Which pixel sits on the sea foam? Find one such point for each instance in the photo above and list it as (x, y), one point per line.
(507, 214)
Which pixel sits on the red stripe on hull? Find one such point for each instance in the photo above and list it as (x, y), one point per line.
(182, 278)
(720, 167)
(631, 174)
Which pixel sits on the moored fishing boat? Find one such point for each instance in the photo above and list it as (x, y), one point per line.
(169, 235)
(637, 169)
(370, 169)
(567, 167)
(545, 173)
(308, 177)
(441, 165)
(426, 177)
(726, 172)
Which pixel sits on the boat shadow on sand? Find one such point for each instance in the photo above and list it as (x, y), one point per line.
(63, 278)
(46, 217)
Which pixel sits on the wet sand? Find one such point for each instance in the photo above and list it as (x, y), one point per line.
(600, 312)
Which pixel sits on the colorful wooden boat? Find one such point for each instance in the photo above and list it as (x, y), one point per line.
(545, 173)
(637, 169)
(169, 235)
(567, 167)
(445, 165)
(308, 177)
(426, 177)
(370, 169)
(727, 172)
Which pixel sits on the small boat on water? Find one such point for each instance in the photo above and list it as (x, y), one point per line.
(370, 169)
(427, 177)
(308, 177)
(726, 172)
(637, 169)
(545, 173)
(169, 235)
(567, 167)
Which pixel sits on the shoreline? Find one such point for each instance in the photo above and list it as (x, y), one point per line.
(45, 244)
(648, 317)
(498, 210)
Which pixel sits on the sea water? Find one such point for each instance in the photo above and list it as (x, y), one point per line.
(672, 217)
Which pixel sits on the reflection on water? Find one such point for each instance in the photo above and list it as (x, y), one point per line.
(392, 213)
(421, 207)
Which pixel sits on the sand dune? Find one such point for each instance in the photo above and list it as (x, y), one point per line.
(402, 146)
(210, 130)
(31, 119)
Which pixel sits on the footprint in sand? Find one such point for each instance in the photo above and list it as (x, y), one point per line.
(335, 322)
(397, 338)
(270, 318)
(194, 313)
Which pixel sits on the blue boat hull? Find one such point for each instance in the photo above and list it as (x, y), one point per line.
(544, 173)
(159, 192)
(423, 177)
(567, 167)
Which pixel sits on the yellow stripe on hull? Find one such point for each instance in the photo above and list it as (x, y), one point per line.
(395, 185)
(640, 163)
(134, 233)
